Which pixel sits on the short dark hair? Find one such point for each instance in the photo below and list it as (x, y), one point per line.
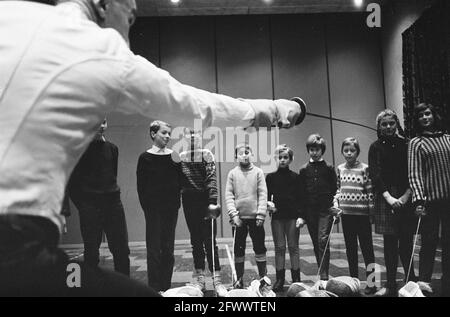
(156, 125)
(353, 142)
(438, 123)
(316, 141)
(240, 146)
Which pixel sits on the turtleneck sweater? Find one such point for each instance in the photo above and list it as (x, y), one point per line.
(283, 185)
(246, 193)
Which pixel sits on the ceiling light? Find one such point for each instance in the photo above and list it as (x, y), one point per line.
(358, 3)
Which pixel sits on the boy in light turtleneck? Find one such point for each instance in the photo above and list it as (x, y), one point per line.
(246, 200)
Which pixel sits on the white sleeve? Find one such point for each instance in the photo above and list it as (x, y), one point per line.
(152, 92)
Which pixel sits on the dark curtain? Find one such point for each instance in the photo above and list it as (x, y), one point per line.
(426, 63)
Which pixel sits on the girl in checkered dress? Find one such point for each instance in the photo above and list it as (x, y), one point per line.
(393, 215)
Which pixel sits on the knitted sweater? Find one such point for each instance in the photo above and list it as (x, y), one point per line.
(354, 189)
(429, 168)
(96, 172)
(199, 173)
(317, 184)
(246, 193)
(158, 181)
(388, 164)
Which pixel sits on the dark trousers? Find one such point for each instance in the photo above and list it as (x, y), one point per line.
(437, 213)
(285, 230)
(160, 224)
(31, 264)
(356, 228)
(195, 206)
(257, 234)
(103, 213)
(319, 222)
(395, 245)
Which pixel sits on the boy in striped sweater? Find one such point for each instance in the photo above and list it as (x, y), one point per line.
(199, 197)
(246, 200)
(355, 198)
(429, 178)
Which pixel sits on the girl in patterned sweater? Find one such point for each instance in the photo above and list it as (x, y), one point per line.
(355, 198)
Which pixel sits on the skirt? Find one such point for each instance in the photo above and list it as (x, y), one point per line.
(400, 221)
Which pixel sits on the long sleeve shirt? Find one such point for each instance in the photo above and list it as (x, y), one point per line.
(388, 164)
(318, 184)
(429, 168)
(354, 189)
(246, 193)
(283, 185)
(96, 172)
(158, 181)
(199, 173)
(60, 73)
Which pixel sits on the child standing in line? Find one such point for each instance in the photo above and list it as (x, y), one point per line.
(158, 185)
(429, 177)
(355, 198)
(283, 189)
(199, 197)
(393, 214)
(94, 190)
(246, 200)
(318, 184)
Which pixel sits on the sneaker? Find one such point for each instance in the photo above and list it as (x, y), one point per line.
(320, 285)
(221, 290)
(265, 287)
(239, 284)
(386, 292)
(198, 280)
(411, 289)
(425, 287)
(370, 290)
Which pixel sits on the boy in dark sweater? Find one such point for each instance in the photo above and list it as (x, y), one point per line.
(318, 186)
(94, 191)
(283, 205)
(158, 185)
(199, 193)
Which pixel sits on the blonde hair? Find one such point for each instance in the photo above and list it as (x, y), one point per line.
(283, 148)
(156, 125)
(389, 113)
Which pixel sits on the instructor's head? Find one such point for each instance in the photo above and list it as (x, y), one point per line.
(116, 14)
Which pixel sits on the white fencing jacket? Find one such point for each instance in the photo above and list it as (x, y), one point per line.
(60, 73)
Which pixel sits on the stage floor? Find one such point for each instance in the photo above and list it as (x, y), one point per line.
(184, 262)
